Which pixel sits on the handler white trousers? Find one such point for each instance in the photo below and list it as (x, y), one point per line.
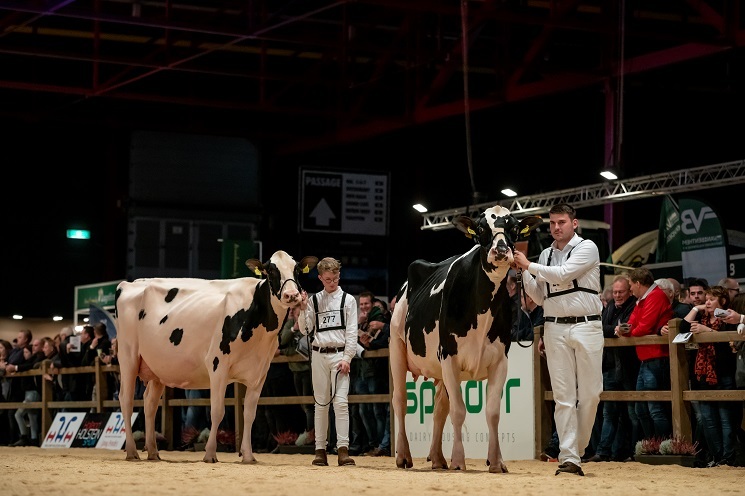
(328, 382)
(574, 353)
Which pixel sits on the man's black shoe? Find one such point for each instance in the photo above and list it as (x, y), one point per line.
(597, 458)
(569, 468)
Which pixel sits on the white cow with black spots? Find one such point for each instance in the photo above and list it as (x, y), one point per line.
(198, 334)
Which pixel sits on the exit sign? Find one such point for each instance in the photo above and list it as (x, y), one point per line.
(78, 234)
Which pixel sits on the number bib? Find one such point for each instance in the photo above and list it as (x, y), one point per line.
(330, 320)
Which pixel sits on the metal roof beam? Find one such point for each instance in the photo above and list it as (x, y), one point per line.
(665, 183)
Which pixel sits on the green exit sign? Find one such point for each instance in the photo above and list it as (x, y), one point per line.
(78, 234)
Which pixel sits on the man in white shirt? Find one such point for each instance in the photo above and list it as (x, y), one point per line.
(566, 282)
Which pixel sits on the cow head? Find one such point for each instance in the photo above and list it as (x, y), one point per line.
(282, 273)
(497, 230)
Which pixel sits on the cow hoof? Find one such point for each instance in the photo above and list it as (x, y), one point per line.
(249, 461)
(133, 458)
(404, 463)
(209, 459)
(154, 456)
(499, 468)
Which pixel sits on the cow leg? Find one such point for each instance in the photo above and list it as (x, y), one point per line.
(497, 374)
(451, 378)
(128, 377)
(217, 412)
(153, 392)
(440, 415)
(397, 357)
(249, 415)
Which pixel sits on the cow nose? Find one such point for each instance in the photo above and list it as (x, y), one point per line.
(502, 247)
(292, 294)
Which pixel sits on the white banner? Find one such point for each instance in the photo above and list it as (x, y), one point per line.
(516, 429)
(114, 434)
(63, 429)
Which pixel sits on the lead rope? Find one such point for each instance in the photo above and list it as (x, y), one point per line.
(520, 313)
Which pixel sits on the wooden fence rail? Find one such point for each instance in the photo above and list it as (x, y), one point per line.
(168, 403)
(680, 395)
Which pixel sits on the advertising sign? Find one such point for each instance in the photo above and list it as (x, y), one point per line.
(90, 430)
(62, 432)
(703, 242)
(516, 421)
(113, 435)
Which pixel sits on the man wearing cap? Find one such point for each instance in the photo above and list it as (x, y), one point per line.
(566, 282)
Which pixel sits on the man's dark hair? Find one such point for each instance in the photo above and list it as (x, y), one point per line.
(368, 294)
(563, 208)
(698, 281)
(642, 275)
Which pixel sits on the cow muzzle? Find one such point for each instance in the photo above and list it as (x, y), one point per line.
(500, 253)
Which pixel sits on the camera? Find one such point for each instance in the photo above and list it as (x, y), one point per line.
(720, 313)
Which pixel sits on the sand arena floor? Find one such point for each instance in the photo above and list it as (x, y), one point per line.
(88, 472)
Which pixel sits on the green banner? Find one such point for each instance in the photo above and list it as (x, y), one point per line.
(668, 237)
(102, 295)
(703, 242)
(235, 252)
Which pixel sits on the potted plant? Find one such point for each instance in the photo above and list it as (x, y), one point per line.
(675, 450)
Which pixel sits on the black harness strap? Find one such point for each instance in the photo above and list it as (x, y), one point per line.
(576, 285)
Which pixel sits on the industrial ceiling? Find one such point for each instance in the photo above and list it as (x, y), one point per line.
(312, 74)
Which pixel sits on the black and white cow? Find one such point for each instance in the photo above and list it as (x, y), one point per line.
(452, 323)
(199, 334)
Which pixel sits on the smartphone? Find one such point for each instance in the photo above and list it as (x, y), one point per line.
(720, 312)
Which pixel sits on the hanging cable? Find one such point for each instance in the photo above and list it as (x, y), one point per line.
(466, 98)
(621, 74)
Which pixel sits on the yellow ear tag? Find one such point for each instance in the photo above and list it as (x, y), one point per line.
(471, 231)
(525, 229)
(257, 271)
(306, 269)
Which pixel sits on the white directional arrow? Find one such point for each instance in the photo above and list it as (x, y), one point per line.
(322, 213)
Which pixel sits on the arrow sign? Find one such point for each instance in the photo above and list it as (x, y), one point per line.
(344, 202)
(322, 214)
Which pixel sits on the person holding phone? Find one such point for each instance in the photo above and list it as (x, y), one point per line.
(714, 369)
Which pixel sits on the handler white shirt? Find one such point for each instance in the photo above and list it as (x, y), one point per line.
(334, 338)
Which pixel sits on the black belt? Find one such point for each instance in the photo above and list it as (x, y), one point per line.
(328, 350)
(572, 320)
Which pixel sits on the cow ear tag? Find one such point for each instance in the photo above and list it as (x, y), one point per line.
(471, 233)
(306, 269)
(257, 271)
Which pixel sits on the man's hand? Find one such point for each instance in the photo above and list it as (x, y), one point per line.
(365, 339)
(732, 317)
(520, 260)
(343, 367)
(303, 300)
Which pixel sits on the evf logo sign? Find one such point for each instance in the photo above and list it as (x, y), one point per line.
(344, 202)
(690, 222)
